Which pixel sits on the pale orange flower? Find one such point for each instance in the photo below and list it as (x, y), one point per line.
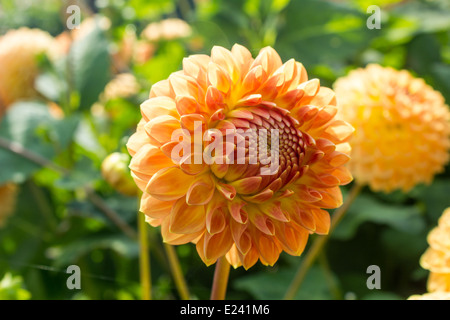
(437, 257)
(167, 29)
(237, 209)
(431, 296)
(19, 50)
(401, 125)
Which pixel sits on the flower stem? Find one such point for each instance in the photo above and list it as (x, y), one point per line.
(319, 243)
(176, 272)
(220, 282)
(144, 258)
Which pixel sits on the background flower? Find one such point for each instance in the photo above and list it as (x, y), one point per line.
(19, 51)
(437, 257)
(402, 127)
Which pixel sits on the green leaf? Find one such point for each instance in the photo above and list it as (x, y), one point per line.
(30, 125)
(368, 209)
(90, 66)
(273, 285)
(68, 254)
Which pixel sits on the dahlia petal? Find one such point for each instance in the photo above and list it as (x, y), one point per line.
(293, 240)
(246, 185)
(331, 198)
(274, 211)
(262, 223)
(236, 211)
(268, 250)
(337, 158)
(218, 77)
(241, 113)
(193, 122)
(186, 219)
(253, 80)
(161, 128)
(226, 190)
(186, 105)
(248, 260)
(162, 89)
(136, 141)
(155, 208)
(324, 97)
(217, 245)
(242, 239)
(149, 160)
(214, 99)
(343, 174)
(338, 131)
(183, 85)
(321, 220)
(158, 106)
(250, 100)
(169, 184)
(260, 197)
(201, 190)
(194, 66)
(232, 257)
(243, 57)
(174, 238)
(140, 179)
(269, 59)
(225, 59)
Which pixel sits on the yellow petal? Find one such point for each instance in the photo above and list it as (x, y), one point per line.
(186, 219)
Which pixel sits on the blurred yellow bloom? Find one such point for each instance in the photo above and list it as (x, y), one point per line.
(115, 171)
(18, 63)
(237, 205)
(168, 29)
(431, 296)
(437, 257)
(8, 196)
(401, 125)
(124, 85)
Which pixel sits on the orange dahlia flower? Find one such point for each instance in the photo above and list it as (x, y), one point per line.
(226, 195)
(18, 62)
(437, 257)
(401, 127)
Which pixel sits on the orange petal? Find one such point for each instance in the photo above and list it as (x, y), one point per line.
(201, 190)
(158, 106)
(169, 184)
(186, 219)
(136, 141)
(218, 77)
(186, 105)
(246, 185)
(174, 238)
(241, 237)
(163, 89)
(215, 220)
(292, 239)
(217, 245)
(236, 211)
(229, 192)
(225, 59)
(155, 208)
(162, 127)
(322, 221)
(149, 160)
(232, 257)
(268, 249)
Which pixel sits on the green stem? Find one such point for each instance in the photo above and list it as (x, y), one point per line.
(144, 258)
(176, 272)
(220, 282)
(319, 243)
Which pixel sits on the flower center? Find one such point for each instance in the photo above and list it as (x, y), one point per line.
(269, 149)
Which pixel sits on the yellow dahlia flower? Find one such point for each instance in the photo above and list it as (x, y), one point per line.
(8, 195)
(401, 127)
(236, 197)
(437, 257)
(18, 62)
(431, 296)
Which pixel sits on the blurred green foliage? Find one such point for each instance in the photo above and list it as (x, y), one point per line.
(57, 224)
